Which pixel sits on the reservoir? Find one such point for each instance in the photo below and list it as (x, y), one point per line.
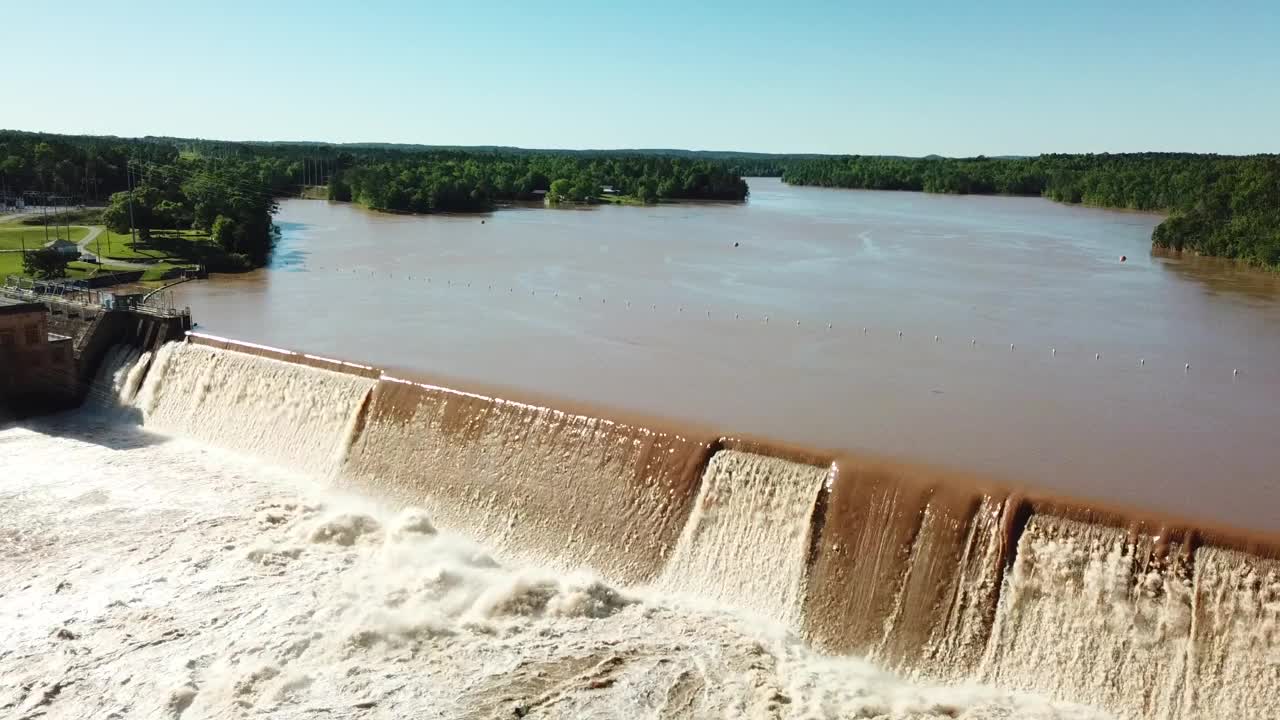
(995, 335)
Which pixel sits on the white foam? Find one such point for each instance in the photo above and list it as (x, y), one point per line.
(153, 555)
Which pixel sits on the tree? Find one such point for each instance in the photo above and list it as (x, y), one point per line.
(560, 190)
(223, 233)
(584, 190)
(119, 217)
(45, 264)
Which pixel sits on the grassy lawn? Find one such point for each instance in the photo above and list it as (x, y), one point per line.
(11, 264)
(168, 249)
(179, 247)
(12, 235)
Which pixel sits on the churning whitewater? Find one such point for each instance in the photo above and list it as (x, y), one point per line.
(162, 576)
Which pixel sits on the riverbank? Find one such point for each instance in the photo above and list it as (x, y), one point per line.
(1216, 205)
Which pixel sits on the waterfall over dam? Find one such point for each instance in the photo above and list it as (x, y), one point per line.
(930, 574)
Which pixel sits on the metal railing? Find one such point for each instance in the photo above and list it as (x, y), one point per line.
(154, 303)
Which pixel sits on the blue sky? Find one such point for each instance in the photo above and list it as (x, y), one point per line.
(912, 78)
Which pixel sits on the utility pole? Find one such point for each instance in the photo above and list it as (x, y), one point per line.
(133, 238)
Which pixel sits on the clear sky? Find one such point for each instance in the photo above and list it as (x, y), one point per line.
(885, 77)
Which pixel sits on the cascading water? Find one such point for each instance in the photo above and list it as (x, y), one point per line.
(747, 540)
(293, 415)
(119, 376)
(265, 595)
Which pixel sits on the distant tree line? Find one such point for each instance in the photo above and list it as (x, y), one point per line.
(1218, 205)
(455, 181)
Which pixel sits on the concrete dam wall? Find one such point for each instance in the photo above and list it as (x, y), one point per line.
(932, 574)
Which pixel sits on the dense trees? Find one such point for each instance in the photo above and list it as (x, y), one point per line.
(224, 200)
(450, 181)
(1217, 205)
(152, 185)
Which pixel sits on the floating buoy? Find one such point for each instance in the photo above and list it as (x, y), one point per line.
(481, 222)
(899, 333)
(735, 244)
(828, 326)
(1123, 258)
(1097, 356)
(1186, 367)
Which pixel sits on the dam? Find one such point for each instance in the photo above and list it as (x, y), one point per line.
(897, 590)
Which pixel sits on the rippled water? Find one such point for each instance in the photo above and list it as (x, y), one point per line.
(1054, 363)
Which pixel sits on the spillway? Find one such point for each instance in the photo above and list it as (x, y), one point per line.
(933, 575)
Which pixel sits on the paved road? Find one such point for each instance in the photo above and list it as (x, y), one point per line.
(94, 232)
(87, 254)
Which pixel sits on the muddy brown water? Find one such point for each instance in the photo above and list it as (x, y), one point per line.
(1054, 365)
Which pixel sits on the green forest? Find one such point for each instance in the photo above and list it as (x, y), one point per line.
(1225, 206)
(224, 191)
(450, 181)
(148, 186)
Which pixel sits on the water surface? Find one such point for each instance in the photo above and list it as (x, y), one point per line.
(1054, 364)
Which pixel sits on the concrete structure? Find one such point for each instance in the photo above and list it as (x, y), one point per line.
(48, 322)
(37, 367)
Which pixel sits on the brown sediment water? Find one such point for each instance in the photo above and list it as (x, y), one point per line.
(1120, 385)
(537, 484)
(934, 574)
